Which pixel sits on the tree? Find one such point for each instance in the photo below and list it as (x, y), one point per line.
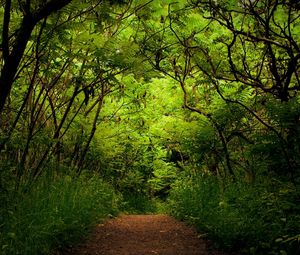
(216, 47)
(70, 67)
(14, 42)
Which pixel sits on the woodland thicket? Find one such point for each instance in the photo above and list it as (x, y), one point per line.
(191, 107)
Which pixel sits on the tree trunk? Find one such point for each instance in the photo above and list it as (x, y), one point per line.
(12, 62)
(93, 131)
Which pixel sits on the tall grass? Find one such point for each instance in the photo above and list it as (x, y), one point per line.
(54, 213)
(262, 218)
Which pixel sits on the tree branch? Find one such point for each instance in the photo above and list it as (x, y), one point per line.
(49, 8)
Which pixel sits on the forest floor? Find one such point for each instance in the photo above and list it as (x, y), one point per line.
(143, 235)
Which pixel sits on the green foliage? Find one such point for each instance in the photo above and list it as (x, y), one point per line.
(261, 218)
(164, 174)
(54, 213)
(138, 203)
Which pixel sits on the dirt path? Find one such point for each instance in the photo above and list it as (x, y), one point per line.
(142, 235)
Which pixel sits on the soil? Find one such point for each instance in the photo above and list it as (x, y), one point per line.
(141, 235)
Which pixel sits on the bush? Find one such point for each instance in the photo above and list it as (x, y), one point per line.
(138, 203)
(55, 213)
(239, 216)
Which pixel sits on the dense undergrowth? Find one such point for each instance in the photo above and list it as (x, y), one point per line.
(142, 204)
(261, 218)
(54, 213)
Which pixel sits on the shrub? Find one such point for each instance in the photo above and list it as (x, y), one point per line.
(138, 203)
(250, 218)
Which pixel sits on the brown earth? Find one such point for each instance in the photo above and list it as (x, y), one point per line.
(141, 235)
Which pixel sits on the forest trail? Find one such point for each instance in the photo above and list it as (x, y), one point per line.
(142, 235)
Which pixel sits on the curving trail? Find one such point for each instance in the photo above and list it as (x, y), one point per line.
(143, 235)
